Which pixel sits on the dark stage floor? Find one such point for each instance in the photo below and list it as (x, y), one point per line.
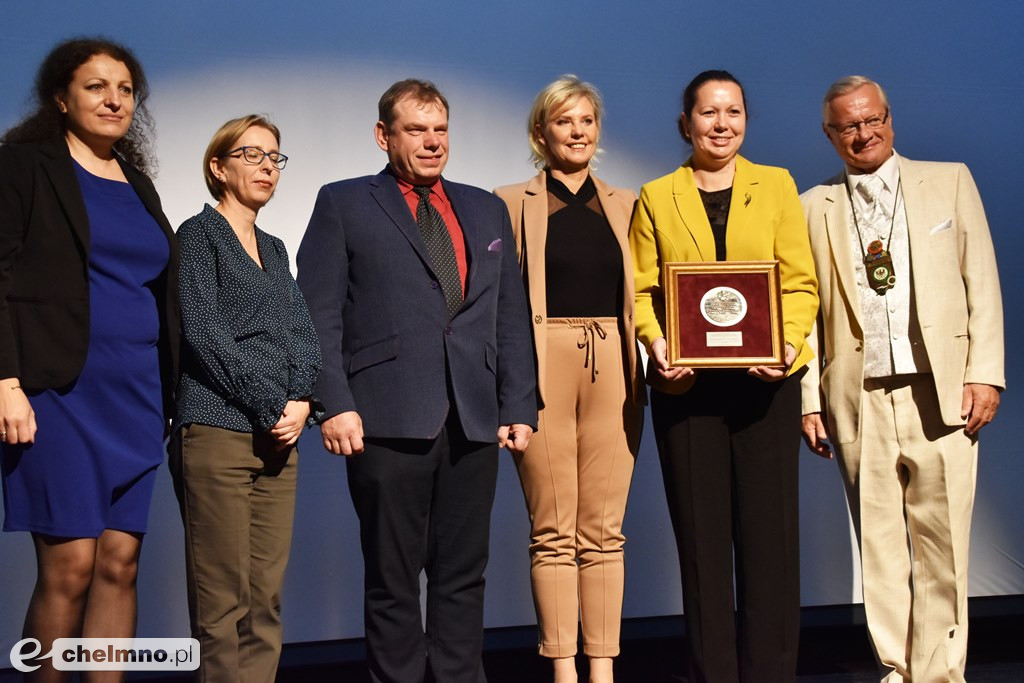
(833, 649)
(828, 654)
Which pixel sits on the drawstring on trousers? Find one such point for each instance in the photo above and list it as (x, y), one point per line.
(589, 329)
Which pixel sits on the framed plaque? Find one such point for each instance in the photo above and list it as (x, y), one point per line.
(724, 314)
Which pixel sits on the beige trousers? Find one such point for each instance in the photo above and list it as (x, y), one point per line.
(910, 482)
(575, 475)
(237, 498)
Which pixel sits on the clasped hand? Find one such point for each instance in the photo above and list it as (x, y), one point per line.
(289, 427)
(514, 437)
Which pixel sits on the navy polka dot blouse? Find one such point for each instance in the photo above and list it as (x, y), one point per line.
(248, 343)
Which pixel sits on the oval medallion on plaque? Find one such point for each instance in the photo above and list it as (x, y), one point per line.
(723, 306)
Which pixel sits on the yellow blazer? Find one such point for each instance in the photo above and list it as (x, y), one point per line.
(528, 207)
(956, 292)
(765, 222)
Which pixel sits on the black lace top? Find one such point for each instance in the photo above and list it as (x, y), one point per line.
(716, 205)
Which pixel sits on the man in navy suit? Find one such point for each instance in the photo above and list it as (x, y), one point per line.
(428, 370)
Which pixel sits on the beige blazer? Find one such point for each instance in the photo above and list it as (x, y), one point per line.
(956, 293)
(528, 207)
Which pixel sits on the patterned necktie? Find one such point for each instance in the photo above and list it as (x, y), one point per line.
(870, 187)
(439, 247)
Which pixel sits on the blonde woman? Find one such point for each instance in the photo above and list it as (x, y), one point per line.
(571, 234)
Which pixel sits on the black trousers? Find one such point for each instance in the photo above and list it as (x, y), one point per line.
(729, 452)
(424, 505)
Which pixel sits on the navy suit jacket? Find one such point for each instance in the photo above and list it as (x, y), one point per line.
(389, 348)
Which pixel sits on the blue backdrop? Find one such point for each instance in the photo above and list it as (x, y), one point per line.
(952, 70)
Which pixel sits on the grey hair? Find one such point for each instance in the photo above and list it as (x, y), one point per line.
(845, 85)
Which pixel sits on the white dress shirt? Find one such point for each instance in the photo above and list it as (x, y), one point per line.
(892, 340)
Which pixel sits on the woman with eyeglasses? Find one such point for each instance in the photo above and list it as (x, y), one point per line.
(88, 339)
(729, 439)
(250, 359)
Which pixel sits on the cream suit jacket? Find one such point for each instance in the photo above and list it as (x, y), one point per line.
(955, 289)
(528, 207)
(765, 222)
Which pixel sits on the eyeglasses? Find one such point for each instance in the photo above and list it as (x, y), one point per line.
(255, 155)
(850, 129)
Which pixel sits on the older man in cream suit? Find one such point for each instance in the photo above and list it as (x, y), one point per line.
(910, 335)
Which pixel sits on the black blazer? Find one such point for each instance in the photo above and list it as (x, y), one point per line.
(44, 271)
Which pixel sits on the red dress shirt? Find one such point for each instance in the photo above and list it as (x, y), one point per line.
(444, 207)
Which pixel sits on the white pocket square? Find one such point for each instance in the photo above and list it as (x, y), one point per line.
(944, 225)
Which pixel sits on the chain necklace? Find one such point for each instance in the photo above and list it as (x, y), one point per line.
(878, 265)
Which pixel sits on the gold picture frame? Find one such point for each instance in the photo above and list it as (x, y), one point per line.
(723, 314)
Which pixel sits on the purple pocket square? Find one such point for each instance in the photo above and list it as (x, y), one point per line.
(494, 246)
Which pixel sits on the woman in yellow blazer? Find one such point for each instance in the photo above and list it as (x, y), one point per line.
(729, 439)
(571, 234)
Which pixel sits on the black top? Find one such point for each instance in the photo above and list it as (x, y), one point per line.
(249, 345)
(716, 205)
(582, 259)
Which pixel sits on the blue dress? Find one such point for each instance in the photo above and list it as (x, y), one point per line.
(100, 441)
